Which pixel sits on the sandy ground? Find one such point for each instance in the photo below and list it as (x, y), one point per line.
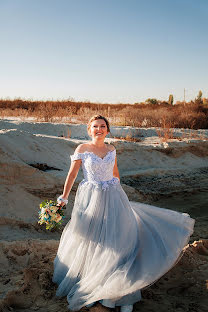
(35, 159)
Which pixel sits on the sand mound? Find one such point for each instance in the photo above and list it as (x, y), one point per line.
(35, 161)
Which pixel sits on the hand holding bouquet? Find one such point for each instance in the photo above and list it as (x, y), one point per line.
(52, 213)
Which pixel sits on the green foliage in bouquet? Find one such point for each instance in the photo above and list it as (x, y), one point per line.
(51, 214)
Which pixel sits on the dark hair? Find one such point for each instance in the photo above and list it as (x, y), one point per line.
(96, 117)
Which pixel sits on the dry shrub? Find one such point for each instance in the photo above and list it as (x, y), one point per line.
(130, 136)
(166, 132)
(68, 135)
(17, 112)
(47, 112)
(191, 115)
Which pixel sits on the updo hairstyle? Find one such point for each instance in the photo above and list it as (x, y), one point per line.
(96, 117)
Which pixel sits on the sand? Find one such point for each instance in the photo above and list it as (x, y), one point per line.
(35, 159)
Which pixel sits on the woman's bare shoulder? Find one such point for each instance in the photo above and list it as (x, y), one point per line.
(81, 148)
(111, 147)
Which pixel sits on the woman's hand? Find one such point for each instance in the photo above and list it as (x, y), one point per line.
(62, 201)
(62, 204)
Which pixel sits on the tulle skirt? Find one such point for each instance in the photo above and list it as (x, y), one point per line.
(112, 247)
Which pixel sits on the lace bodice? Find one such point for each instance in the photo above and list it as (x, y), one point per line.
(97, 170)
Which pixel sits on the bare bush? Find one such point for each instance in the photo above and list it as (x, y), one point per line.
(191, 115)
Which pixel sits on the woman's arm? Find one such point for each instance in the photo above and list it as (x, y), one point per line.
(72, 174)
(115, 169)
(73, 171)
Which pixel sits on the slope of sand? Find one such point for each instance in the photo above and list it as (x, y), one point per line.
(35, 159)
(26, 280)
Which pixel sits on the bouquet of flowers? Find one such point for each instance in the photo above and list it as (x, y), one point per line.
(51, 213)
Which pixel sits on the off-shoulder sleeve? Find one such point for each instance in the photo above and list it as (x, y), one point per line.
(76, 156)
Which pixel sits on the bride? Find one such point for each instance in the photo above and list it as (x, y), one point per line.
(112, 247)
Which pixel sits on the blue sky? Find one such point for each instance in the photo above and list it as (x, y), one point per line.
(106, 51)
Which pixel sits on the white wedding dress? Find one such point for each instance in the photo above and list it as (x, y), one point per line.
(112, 247)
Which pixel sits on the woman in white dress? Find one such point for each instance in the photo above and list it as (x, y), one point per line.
(112, 247)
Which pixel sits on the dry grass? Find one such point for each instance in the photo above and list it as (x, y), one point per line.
(167, 132)
(127, 138)
(68, 135)
(130, 136)
(191, 115)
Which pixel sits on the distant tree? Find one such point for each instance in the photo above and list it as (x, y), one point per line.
(151, 101)
(170, 100)
(198, 99)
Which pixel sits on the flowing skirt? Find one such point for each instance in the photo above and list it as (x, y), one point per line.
(112, 247)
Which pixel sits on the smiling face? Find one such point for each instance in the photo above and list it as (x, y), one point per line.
(98, 129)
